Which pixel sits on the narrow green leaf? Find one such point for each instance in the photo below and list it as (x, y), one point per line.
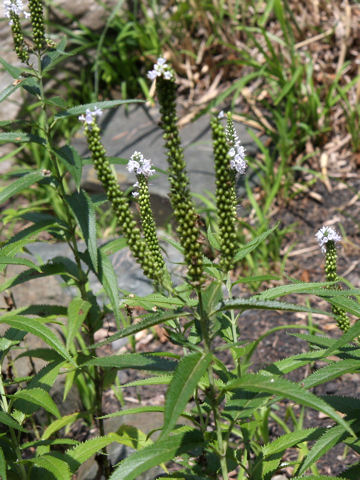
(77, 312)
(8, 91)
(138, 361)
(20, 184)
(331, 437)
(132, 411)
(70, 158)
(319, 477)
(259, 304)
(47, 354)
(3, 474)
(15, 72)
(351, 306)
(157, 300)
(20, 137)
(39, 397)
(159, 380)
(84, 211)
(147, 322)
(8, 420)
(5, 260)
(286, 389)
(60, 423)
(59, 468)
(185, 379)
(329, 372)
(161, 451)
(291, 439)
(348, 405)
(249, 247)
(313, 288)
(350, 335)
(33, 326)
(52, 57)
(79, 109)
(108, 279)
(289, 85)
(85, 450)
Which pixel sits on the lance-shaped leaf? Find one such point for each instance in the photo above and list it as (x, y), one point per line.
(70, 158)
(158, 300)
(249, 247)
(57, 467)
(77, 311)
(345, 339)
(329, 372)
(186, 377)
(82, 452)
(149, 321)
(109, 281)
(254, 303)
(33, 326)
(138, 361)
(3, 474)
(20, 184)
(36, 396)
(161, 451)
(84, 211)
(60, 423)
(8, 420)
(286, 389)
(5, 260)
(79, 109)
(20, 137)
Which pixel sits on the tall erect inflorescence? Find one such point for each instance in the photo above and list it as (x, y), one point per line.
(327, 238)
(117, 199)
(184, 210)
(37, 23)
(225, 185)
(13, 9)
(142, 168)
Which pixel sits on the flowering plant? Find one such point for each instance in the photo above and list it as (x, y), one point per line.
(228, 407)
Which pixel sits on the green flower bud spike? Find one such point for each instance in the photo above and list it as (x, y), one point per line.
(142, 168)
(184, 210)
(37, 23)
(117, 199)
(13, 10)
(327, 238)
(225, 180)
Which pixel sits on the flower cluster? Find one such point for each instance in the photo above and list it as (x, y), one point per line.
(325, 235)
(161, 69)
(140, 165)
(15, 7)
(225, 195)
(119, 202)
(37, 23)
(236, 151)
(13, 10)
(181, 201)
(90, 116)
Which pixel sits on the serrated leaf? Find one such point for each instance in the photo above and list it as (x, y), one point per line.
(157, 300)
(132, 411)
(147, 322)
(291, 439)
(108, 279)
(242, 404)
(85, 450)
(296, 361)
(348, 405)
(138, 361)
(350, 335)
(328, 440)
(77, 312)
(8, 420)
(249, 247)
(15, 72)
(329, 372)
(20, 184)
(53, 57)
(286, 389)
(10, 89)
(185, 379)
(3, 474)
(62, 422)
(78, 110)
(33, 326)
(159, 452)
(313, 288)
(72, 161)
(160, 380)
(39, 397)
(5, 260)
(84, 211)
(132, 437)
(46, 354)
(258, 304)
(59, 468)
(20, 137)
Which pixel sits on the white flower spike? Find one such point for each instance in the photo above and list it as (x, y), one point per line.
(16, 7)
(140, 165)
(326, 234)
(161, 69)
(90, 116)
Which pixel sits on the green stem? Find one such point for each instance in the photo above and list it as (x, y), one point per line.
(5, 408)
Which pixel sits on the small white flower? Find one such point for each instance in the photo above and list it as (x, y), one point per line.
(16, 7)
(221, 114)
(135, 194)
(327, 234)
(161, 69)
(232, 152)
(90, 116)
(238, 162)
(140, 165)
